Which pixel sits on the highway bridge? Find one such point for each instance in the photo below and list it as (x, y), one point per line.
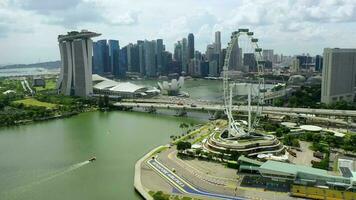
(218, 107)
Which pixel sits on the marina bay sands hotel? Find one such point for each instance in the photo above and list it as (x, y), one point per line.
(76, 58)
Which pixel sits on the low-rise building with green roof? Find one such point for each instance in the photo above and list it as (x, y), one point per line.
(303, 175)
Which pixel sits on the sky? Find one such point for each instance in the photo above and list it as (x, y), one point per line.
(29, 28)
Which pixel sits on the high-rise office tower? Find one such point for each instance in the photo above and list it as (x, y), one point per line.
(339, 75)
(250, 62)
(141, 55)
(210, 51)
(185, 55)
(159, 50)
(133, 58)
(123, 66)
(150, 58)
(114, 54)
(191, 49)
(76, 50)
(222, 58)
(218, 49)
(318, 63)
(101, 57)
(178, 52)
(166, 61)
(217, 42)
(235, 62)
(267, 55)
(305, 61)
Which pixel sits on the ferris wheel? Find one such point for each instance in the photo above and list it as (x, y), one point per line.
(234, 129)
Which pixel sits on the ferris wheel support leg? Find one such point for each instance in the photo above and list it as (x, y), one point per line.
(230, 113)
(249, 108)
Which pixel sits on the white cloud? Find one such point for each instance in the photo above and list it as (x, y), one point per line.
(288, 26)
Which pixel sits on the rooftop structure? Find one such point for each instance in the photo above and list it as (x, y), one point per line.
(104, 86)
(73, 35)
(311, 128)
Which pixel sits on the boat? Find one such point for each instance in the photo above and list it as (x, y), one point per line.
(92, 159)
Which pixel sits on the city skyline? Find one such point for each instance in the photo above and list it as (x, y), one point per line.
(306, 27)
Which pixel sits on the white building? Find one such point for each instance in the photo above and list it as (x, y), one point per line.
(339, 75)
(104, 86)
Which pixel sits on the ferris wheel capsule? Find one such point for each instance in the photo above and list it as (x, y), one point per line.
(243, 30)
(258, 50)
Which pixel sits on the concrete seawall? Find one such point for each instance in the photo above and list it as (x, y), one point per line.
(137, 178)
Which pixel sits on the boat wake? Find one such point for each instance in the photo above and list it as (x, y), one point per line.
(21, 189)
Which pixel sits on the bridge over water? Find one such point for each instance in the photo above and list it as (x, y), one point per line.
(219, 107)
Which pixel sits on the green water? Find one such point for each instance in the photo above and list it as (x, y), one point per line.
(201, 89)
(44, 160)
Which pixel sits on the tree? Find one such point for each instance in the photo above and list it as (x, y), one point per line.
(101, 102)
(160, 196)
(234, 155)
(295, 142)
(106, 100)
(181, 146)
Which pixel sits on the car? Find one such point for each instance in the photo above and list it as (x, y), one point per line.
(193, 105)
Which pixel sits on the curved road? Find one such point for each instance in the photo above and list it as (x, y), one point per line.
(182, 185)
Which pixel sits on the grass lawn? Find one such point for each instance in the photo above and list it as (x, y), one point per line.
(34, 102)
(50, 85)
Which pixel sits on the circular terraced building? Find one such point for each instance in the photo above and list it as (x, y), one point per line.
(250, 145)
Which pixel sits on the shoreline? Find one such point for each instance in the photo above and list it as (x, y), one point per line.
(139, 188)
(33, 121)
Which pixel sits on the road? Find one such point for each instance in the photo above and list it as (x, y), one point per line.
(182, 185)
(217, 107)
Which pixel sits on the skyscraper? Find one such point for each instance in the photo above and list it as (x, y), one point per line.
(185, 55)
(101, 57)
(114, 55)
(250, 62)
(217, 42)
(141, 55)
(178, 52)
(305, 61)
(318, 63)
(295, 65)
(235, 62)
(159, 50)
(191, 49)
(76, 50)
(150, 58)
(267, 55)
(133, 58)
(339, 75)
(123, 62)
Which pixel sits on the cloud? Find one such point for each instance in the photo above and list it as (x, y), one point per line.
(201, 23)
(128, 18)
(13, 21)
(45, 6)
(75, 13)
(288, 26)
